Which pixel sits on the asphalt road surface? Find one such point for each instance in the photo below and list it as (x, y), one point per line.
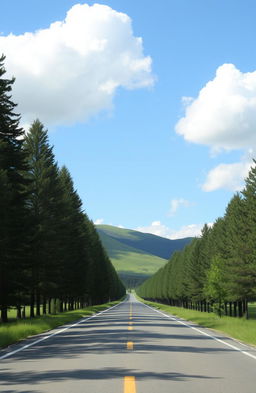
(129, 348)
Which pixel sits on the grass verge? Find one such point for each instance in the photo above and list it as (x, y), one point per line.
(19, 330)
(238, 328)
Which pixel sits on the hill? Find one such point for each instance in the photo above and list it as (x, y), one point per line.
(137, 255)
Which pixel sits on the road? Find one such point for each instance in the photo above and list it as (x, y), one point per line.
(129, 348)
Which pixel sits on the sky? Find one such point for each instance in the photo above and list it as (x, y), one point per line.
(151, 105)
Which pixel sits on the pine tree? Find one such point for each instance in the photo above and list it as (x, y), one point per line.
(45, 215)
(75, 247)
(12, 197)
(200, 265)
(215, 286)
(248, 278)
(236, 243)
(99, 286)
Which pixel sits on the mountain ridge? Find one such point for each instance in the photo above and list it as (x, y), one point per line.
(137, 255)
(152, 244)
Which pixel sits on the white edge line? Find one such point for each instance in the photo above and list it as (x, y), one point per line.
(204, 333)
(58, 332)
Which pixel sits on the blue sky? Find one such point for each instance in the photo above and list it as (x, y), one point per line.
(157, 132)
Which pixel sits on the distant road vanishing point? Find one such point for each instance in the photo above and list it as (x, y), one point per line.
(129, 348)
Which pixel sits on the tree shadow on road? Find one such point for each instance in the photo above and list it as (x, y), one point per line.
(13, 378)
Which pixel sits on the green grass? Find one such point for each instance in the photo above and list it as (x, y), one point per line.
(137, 262)
(120, 232)
(12, 312)
(238, 328)
(15, 331)
(252, 310)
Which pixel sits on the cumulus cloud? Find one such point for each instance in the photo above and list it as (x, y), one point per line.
(156, 228)
(71, 70)
(99, 221)
(192, 230)
(223, 116)
(227, 176)
(177, 203)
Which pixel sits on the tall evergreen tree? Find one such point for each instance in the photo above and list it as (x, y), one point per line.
(12, 196)
(238, 249)
(215, 285)
(249, 231)
(75, 250)
(45, 194)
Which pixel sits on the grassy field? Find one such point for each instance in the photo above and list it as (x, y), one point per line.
(147, 242)
(136, 255)
(130, 259)
(18, 330)
(12, 313)
(238, 328)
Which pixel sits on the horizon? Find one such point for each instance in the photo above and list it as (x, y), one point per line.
(134, 230)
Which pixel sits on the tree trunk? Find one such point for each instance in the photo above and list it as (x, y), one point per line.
(54, 306)
(19, 311)
(245, 306)
(38, 304)
(32, 304)
(230, 309)
(61, 305)
(44, 305)
(235, 309)
(240, 309)
(4, 316)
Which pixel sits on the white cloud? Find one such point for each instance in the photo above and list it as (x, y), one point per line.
(223, 115)
(176, 203)
(99, 221)
(71, 70)
(156, 228)
(186, 101)
(227, 176)
(192, 230)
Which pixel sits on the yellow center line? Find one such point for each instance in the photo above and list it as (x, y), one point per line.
(129, 384)
(130, 328)
(129, 345)
(130, 323)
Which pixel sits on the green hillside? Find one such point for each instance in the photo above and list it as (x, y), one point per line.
(151, 244)
(136, 255)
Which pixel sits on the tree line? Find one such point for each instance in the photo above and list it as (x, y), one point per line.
(49, 249)
(216, 272)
